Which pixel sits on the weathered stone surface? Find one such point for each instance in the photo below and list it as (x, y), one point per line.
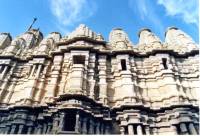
(99, 87)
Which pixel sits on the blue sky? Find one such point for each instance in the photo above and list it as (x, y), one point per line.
(101, 16)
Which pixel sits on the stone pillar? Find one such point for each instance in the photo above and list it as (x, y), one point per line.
(183, 128)
(77, 125)
(107, 129)
(147, 130)
(196, 125)
(21, 127)
(102, 79)
(97, 128)
(77, 80)
(155, 131)
(39, 70)
(192, 129)
(54, 78)
(39, 130)
(102, 128)
(4, 72)
(130, 129)
(48, 129)
(139, 130)
(32, 70)
(91, 72)
(29, 130)
(91, 128)
(81, 125)
(84, 128)
(7, 131)
(91, 90)
(55, 125)
(13, 128)
(1, 130)
(62, 121)
(44, 128)
(122, 130)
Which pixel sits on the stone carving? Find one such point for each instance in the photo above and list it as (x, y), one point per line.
(148, 41)
(83, 31)
(118, 39)
(5, 40)
(15, 47)
(178, 40)
(45, 46)
(70, 85)
(48, 44)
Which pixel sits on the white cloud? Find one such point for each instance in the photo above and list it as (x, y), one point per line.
(69, 12)
(187, 10)
(147, 13)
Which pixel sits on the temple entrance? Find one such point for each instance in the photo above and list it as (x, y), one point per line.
(69, 121)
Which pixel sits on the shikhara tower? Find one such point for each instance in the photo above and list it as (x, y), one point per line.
(81, 84)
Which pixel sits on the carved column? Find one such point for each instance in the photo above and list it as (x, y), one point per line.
(39, 129)
(4, 83)
(91, 75)
(192, 129)
(4, 71)
(102, 128)
(21, 127)
(102, 79)
(13, 128)
(54, 76)
(147, 130)
(107, 129)
(122, 130)
(196, 125)
(77, 125)
(97, 128)
(155, 131)
(62, 120)
(130, 129)
(55, 125)
(10, 91)
(29, 131)
(183, 128)
(67, 62)
(33, 70)
(91, 128)
(1, 130)
(48, 128)
(7, 130)
(44, 128)
(84, 128)
(139, 130)
(77, 80)
(38, 70)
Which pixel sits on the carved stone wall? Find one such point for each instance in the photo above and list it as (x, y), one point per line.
(100, 87)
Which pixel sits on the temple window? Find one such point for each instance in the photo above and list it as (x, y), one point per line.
(79, 59)
(123, 64)
(35, 70)
(164, 62)
(2, 68)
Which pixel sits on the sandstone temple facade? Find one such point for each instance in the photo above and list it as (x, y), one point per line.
(82, 84)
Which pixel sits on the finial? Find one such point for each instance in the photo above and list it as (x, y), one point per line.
(34, 19)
